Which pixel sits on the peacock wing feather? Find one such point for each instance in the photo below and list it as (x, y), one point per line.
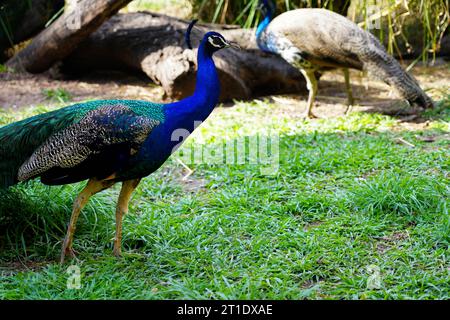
(68, 137)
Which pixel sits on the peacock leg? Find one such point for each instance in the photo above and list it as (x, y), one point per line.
(348, 87)
(311, 84)
(93, 186)
(122, 208)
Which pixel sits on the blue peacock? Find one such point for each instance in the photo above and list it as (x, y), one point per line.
(106, 141)
(316, 40)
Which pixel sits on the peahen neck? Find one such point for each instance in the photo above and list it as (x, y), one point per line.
(260, 39)
(198, 106)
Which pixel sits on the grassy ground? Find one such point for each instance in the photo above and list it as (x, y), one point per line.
(178, 8)
(352, 212)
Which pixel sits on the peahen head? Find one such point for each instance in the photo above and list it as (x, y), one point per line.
(267, 7)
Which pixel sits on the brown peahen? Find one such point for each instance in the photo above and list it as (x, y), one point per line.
(316, 40)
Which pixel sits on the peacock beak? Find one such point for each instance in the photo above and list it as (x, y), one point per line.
(232, 44)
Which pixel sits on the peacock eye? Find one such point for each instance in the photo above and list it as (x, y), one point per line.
(216, 41)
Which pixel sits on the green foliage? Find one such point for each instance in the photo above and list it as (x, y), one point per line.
(179, 8)
(407, 25)
(346, 197)
(154, 5)
(399, 193)
(57, 95)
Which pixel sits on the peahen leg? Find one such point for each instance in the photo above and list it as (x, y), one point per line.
(311, 83)
(348, 87)
(122, 208)
(93, 186)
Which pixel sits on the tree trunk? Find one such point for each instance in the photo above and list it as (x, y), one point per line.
(21, 20)
(154, 44)
(63, 36)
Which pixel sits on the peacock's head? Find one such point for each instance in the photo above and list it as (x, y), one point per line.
(267, 7)
(213, 41)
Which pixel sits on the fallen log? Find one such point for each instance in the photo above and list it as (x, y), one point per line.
(21, 20)
(62, 37)
(154, 44)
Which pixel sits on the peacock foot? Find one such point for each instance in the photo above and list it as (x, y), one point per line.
(309, 115)
(348, 110)
(67, 252)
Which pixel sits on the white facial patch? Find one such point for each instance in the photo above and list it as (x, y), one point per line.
(211, 41)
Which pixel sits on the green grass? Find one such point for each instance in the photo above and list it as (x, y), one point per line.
(57, 95)
(179, 8)
(346, 198)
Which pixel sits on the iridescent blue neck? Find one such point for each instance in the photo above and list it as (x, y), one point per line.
(198, 106)
(262, 27)
(182, 117)
(207, 87)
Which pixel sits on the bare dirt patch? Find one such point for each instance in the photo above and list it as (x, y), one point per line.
(22, 90)
(312, 225)
(387, 242)
(187, 179)
(11, 268)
